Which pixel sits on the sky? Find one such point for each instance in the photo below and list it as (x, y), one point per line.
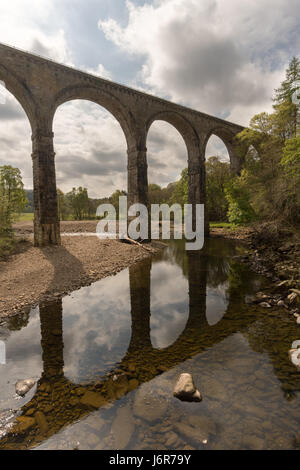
(221, 57)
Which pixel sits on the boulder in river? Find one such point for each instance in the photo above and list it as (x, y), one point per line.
(23, 386)
(185, 389)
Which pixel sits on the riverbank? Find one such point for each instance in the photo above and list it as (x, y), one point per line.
(275, 253)
(35, 275)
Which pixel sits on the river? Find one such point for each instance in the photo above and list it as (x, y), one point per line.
(106, 359)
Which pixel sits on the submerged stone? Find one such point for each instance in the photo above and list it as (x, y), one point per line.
(41, 422)
(148, 405)
(25, 423)
(122, 428)
(92, 400)
(191, 434)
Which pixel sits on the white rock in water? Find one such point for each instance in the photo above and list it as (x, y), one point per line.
(23, 386)
(295, 357)
(185, 389)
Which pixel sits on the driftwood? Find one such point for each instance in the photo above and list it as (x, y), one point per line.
(130, 241)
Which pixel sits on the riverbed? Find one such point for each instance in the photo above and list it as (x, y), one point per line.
(106, 358)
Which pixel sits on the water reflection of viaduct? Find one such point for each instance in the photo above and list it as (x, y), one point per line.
(61, 402)
(41, 86)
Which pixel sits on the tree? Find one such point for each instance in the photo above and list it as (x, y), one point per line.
(63, 206)
(290, 196)
(114, 199)
(218, 174)
(12, 196)
(78, 199)
(180, 191)
(240, 211)
(287, 113)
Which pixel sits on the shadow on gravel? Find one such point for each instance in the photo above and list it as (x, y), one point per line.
(69, 273)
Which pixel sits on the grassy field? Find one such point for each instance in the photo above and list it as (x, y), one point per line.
(28, 217)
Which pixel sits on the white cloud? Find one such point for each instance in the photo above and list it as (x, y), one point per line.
(25, 24)
(221, 57)
(101, 71)
(90, 149)
(213, 55)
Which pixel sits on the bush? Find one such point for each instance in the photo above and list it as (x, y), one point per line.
(240, 211)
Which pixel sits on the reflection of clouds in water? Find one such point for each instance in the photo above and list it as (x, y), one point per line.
(169, 303)
(23, 356)
(96, 321)
(216, 303)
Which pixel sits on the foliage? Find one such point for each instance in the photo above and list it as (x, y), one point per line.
(271, 173)
(12, 196)
(78, 200)
(12, 203)
(217, 176)
(240, 211)
(180, 191)
(290, 162)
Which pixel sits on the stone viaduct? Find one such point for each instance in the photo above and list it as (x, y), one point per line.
(41, 86)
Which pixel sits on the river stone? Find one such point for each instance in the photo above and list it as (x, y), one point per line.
(172, 439)
(25, 423)
(291, 297)
(92, 400)
(295, 357)
(41, 422)
(265, 305)
(148, 405)
(122, 428)
(185, 389)
(23, 386)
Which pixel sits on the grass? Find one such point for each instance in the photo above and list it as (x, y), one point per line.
(222, 225)
(26, 217)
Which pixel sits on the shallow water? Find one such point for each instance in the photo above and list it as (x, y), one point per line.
(107, 357)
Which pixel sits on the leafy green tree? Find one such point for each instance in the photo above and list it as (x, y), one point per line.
(290, 193)
(180, 191)
(63, 206)
(218, 175)
(287, 113)
(240, 211)
(78, 199)
(12, 196)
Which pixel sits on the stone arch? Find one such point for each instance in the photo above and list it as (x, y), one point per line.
(196, 162)
(181, 124)
(22, 94)
(236, 152)
(102, 98)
